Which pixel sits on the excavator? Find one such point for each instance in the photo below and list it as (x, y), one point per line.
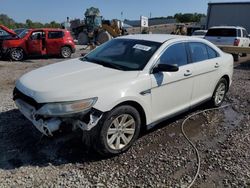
(180, 29)
(95, 30)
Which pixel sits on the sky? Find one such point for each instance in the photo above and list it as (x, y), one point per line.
(57, 10)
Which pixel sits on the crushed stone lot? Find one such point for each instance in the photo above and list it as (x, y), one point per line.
(160, 158)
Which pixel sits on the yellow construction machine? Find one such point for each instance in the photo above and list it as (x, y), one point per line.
(95, 30)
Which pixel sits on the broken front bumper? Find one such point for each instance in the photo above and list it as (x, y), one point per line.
(85, 120)
(47, 127)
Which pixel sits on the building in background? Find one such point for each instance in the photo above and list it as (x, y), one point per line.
(151, 21)
(229, 14)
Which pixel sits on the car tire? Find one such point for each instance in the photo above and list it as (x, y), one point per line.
(16, 54)
(219, 93)
(244, 55)
(66, 52)
(236, 57)
(116, 131)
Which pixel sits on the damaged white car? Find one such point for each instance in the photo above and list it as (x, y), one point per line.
(125, 85)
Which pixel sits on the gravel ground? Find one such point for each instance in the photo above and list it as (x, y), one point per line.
(160, 158)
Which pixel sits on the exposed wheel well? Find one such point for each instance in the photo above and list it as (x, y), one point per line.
(228, 80)
(10, 49)
(67, 45)
(139, 108)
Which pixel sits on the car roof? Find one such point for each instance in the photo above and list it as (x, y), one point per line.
(161, 38)
(200, 31)
(226, 27)
(48, 29)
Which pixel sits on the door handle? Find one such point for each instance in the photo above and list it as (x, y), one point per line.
(216, 65)
(187, 73)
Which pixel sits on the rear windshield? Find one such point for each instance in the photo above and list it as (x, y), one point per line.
(222, 32)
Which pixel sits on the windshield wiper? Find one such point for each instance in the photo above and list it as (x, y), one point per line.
(111, 65)
(103, 63)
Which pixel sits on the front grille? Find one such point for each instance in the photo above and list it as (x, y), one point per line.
(19, 95)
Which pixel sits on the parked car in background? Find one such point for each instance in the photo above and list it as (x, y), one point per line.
(199, 33)
(229, 35)
(123, 86)
(1, 32)
(22, 43)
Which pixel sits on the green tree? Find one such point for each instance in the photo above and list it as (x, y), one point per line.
(188, 17)
(5, 20)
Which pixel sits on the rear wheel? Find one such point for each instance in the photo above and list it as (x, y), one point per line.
(117, 131)
(17, 54)
(103, 36)
(219, 93)
(66, 52)
(244, 55)
(236, 57)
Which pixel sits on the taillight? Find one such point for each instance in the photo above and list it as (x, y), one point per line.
(236, 42)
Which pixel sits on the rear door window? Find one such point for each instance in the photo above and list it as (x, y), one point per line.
(219, 32)
(198, 51)
(211, 52)
(55, 34)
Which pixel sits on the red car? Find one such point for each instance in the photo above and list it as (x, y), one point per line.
(29, 42)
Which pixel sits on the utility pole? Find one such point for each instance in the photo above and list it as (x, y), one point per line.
(121, 15)
(149, 28)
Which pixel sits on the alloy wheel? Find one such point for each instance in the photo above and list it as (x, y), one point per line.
(220, 93)
(121, 131)
(66, 52)
(17, 55)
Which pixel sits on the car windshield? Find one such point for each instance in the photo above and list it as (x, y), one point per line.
(21, 32)
(123, 54)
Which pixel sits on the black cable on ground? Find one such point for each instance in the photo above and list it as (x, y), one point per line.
(192, 144)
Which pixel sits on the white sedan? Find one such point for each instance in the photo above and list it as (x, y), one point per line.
(124, 85)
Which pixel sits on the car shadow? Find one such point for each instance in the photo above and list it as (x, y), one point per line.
(245, 65)
(22, 145)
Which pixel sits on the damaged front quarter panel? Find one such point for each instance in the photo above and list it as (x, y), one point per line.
(94, 117)
(47, 125)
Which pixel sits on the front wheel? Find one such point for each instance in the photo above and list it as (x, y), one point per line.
(66, 52)
(219, 93)
(118, 131)
(17, 54)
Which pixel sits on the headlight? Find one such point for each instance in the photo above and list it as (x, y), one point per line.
(65, 108)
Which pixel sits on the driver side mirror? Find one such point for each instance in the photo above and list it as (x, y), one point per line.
(165, 68)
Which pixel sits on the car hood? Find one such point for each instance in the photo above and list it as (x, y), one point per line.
(11, 32)
(70, 80)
